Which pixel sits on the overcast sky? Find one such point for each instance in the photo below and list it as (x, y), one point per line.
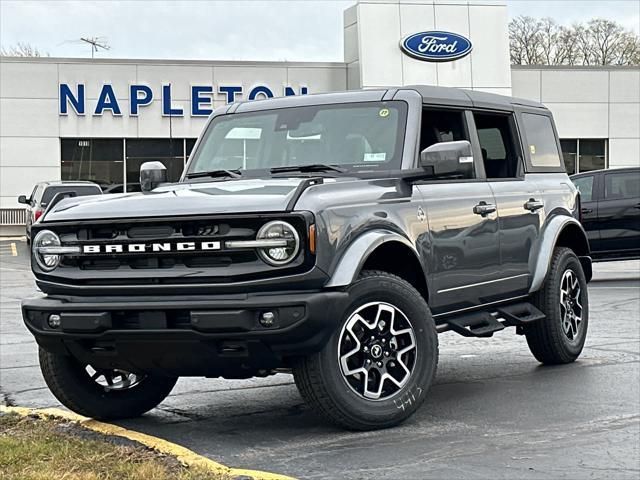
(226, 30)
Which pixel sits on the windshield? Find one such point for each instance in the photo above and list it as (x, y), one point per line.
(357, 136)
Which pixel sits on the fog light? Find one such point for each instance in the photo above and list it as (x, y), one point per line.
(54, 320)
(267, 319)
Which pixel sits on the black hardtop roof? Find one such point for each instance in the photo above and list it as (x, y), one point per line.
(470, 98)
(445, 96)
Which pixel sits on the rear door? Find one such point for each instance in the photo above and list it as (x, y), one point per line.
(518, 199)
(619, 212)
(588, 185)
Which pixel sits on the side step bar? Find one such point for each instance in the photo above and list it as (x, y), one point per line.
(484, 323)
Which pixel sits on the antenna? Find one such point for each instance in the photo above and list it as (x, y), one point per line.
(96, 44)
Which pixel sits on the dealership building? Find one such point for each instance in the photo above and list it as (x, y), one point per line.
(101, 119)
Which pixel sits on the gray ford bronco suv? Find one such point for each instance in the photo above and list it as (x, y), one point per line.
(332, 236)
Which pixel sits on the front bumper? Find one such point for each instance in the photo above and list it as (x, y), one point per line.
(187, 335)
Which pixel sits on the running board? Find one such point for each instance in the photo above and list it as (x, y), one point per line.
(481, 324)
(519, 314)
(484, 323)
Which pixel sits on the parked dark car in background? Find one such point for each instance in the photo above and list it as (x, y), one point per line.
(611, 212)
(119, 188)
(44, 192)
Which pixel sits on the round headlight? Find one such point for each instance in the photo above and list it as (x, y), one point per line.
(278, 230)
(46, 238)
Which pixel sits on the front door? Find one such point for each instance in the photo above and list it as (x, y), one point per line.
(462, 247)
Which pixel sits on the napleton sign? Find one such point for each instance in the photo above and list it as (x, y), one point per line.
(73, 98)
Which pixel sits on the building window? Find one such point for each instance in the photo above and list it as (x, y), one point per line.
(592, 155)
(189, 144)
(104, 161)
(584, 155)
(570, 155)
(169, 152)
(97, 160)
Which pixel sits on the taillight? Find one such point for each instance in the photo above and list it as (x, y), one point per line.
(37, 215)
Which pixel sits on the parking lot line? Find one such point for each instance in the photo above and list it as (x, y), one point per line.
(184, 455)
(11, 248)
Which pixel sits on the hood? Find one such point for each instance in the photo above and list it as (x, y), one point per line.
(234, 196)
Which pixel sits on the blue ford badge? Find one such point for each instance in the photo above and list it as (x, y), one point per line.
(436, 46)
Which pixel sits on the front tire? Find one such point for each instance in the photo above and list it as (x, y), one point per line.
(564, 299)
(102, 394)
(375, 370)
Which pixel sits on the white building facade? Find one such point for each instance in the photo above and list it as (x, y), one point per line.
(100, 119)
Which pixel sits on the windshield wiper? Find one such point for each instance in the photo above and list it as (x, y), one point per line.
(216, 174)
(315, 167)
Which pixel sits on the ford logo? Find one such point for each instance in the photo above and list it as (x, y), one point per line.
(436, 46)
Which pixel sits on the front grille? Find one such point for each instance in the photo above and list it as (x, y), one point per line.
(170, 266)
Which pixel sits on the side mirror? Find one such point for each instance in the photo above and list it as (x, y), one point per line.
(152, 174)
(451, 159)
(23, 199)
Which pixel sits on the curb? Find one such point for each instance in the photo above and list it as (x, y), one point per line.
(184, 455)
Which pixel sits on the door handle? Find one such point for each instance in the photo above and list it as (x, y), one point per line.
(484, 209)
(532, 205)
(637, 206)
(586, 210)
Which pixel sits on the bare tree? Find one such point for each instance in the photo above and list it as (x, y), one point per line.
(597, 42)
(22, 50)
(524, 35)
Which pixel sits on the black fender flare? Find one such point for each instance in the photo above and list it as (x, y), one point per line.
(356, 254)
(550, 235)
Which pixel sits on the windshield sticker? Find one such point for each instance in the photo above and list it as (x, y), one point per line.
(384, 112)
(374, 157)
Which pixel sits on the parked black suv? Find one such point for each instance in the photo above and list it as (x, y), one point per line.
(333, 235)
(611, 212)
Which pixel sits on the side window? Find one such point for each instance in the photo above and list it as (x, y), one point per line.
(542, 145)
(585, 186)
(37, 194)
(497, 141)
(623, 185)
(33, 193)
(441, 126)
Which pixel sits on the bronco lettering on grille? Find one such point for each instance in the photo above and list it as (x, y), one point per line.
(151, 247)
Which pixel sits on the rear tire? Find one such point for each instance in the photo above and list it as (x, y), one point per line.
(564, 299)
(72, 384)
(387, 329)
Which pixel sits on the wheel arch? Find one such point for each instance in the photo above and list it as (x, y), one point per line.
(561, 231)
(381, 250)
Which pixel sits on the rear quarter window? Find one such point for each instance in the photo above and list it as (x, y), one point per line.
(541, 141)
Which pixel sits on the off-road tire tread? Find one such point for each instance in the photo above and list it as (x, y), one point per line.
(307, 373)
(70, 393)
(544, 338)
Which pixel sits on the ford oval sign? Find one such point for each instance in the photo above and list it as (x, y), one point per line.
(436, 46)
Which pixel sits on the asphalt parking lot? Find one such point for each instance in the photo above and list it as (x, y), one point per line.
(493, 411)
